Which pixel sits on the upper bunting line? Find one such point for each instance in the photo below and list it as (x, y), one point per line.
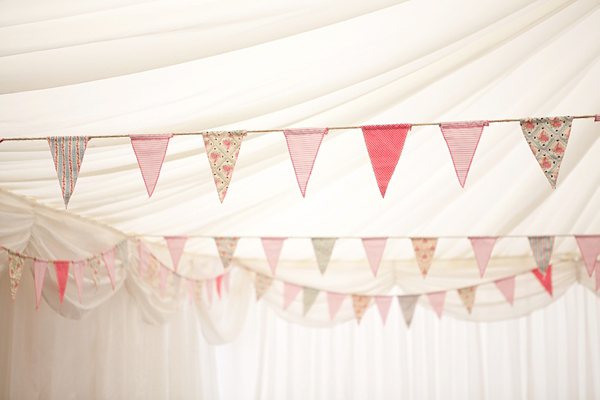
(491, 121)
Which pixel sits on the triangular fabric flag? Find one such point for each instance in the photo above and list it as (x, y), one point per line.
(542, 250)
(334, 301)
(150, 152)
(436, 300)
(360, 304)
(462, 139)
(303, 145)
(16, 262)
(308, 298)
(545, 280)
(597, 279)
(198, 292)
(39, 273)
(218, 283)
(209, 291)
(94, 264)
(62, 273)
(226, 247)
(176, 245)
(109, 260)
(191, 288)
(385, 144)
(383, 304)
(323, 249)
(67, 153)
(164, 275)
(548, 138)
(507, 287)
(467, 295)
(483, 246)
(78, 274)
(222, 150)
(374, 248)
(290, 291)
(272, 248)
(590, 247)
(144, 257)
(424, 250)
(407, 304)
(597, 118)
(122, 250)
(262, 284)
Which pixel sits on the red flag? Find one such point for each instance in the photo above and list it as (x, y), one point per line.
(109, 260)
(383, 304)
(272, 248)
(385, 144)
(590, 247)
(374, 248)
(218, 282)
(546, 280)
(290, 291)
(176, 245)
(62, 274)
(436, 300)
(150, 151)
(39, 273)
(334, 301)
(303, 145)
(462, 139)
(78, 274)
(482, 246)
(507, 287)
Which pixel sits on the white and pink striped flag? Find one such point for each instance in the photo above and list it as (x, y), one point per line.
(78, 274)
(462, 139)
(290, 292)
(39, 273)
(590, 247)
(272, 248)
(507, 287)
(164, 275)
(374, 248)
(334, 301)
(67, 153)
(482, 246)
(436, 299)
(176, 245)
(542, 250)
(303, 145)
(150, 152)
(109, 261)
(383, 305)
(385, 144)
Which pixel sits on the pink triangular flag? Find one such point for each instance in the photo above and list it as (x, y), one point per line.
(272, 248)
(290, 291)
(164, 274)
(424, 250)
(150, 151)
(109, 260)
(222, 150)
(78, 274)
(385, 144)
(546, 280)
(218, 283)
(383, 304)
(62, 273)
(334, 301)
(467, 295)
(462, 139)
(374, 248)
(209, 292)
(144, 257)
(436, 299)
(407, 304)
(176, 245)
(360, 304)
(590, 247)
(67, 153)
(39, 273)
(597, 118)
(303, 145)
(597, 279)
(507, 287)
(482, 246)
(542, 250)
(191, 289)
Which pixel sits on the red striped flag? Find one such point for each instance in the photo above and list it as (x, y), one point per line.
(462, 139)
(150, 152)
(303, 145)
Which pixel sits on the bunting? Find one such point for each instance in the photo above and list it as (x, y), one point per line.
(597, 118)
(226, 247)
(407, 304)
(109, 260)
(462, 139)
(542, 250)
(467, 295)
(334, 301)
(222, 150)
(436, 299)
(39, 274)
(176, 245)
(548, 138)
(164, 274)
(384, 145)
(262, 284)
(383, 305)
(590, 247)
(374, 248)
(62, 273)
(290, 291)
(424, 249)
(144, 257)
(597, 279)
(545, 278)
(507, 287)
(303, 145)
(150, 152)
(482, 246)
(308, 298)
(67, 153)
(94, 264)
(78, 275)
(323, 248)
(272, 247)
(360, 304)
(16, 262)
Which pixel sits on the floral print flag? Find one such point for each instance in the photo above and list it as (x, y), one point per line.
(222, 149)
(424, 250)
(67, 153)
(16, 262)
(467, 295)
(360, 304)
(226, 247)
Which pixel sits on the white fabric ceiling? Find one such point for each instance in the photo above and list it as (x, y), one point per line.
(122, 67)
